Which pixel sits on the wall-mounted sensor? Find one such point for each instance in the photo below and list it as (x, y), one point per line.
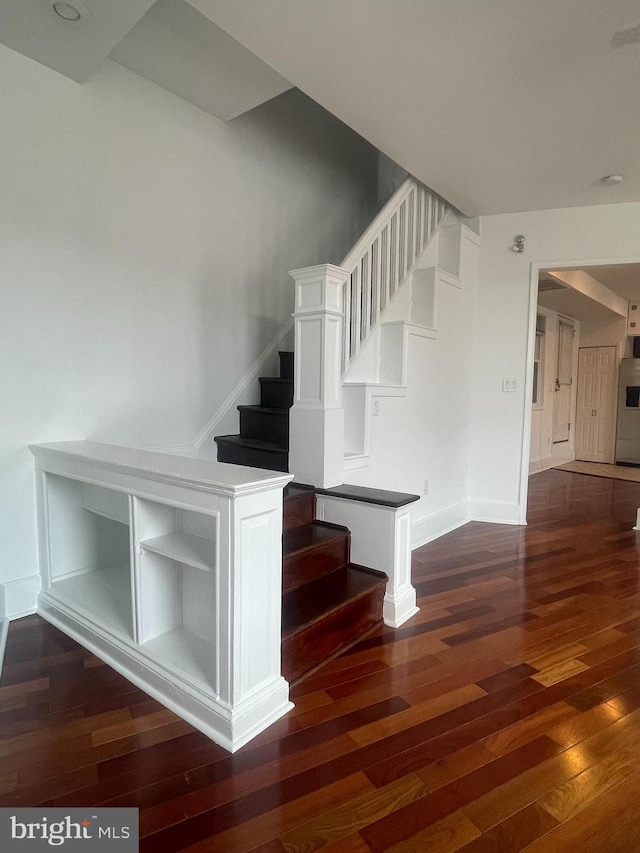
(518, 244)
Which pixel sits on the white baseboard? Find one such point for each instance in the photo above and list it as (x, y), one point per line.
(496, 512)
(21, 597)
(431, 527)
(4, 627)
(538, 465)
(4, 630)
(249, 378)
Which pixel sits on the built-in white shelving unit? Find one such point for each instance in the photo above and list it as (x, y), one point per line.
(169, 568)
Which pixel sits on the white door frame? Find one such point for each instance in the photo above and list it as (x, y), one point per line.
(535, 269)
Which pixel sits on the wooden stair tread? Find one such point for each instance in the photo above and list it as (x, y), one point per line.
(311, 536)
(308, 604)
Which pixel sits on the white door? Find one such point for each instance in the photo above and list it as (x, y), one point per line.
(596, 404)
(562, 394)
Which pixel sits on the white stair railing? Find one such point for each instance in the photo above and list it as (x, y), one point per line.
(336, 309)
(384, 256)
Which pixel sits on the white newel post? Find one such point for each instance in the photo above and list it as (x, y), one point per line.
(316, 443)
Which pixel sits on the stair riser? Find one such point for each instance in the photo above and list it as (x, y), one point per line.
(299, 569)
(324, 638)
(266, 426)
(286, 365)
(253, 458)
(299, 511)
(275, 395)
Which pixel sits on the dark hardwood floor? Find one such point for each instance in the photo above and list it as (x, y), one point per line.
(505, 716)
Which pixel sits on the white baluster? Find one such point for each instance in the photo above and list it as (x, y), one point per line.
(393, 256)
(410, 229)
(419, 243)
(402, 240)
(366, 297)
(384, 268)
(356, 308)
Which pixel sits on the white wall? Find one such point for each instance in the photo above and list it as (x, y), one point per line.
(144, 250)
(600, 234)
(597, 334)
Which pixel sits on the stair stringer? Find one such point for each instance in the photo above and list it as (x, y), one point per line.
(380, 368)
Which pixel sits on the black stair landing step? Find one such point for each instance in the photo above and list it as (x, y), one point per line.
(276, 392)
(252, 452)
(265, 423)
(286, 364)
(308, 604)
(266, 410)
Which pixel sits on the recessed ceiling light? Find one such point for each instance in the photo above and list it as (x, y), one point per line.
(67, 11)
(610, 180)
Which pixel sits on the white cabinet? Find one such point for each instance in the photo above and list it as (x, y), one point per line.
(169, 569)
(633, 319)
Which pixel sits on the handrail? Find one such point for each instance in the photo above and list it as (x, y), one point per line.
(375, 226)
(383, 257)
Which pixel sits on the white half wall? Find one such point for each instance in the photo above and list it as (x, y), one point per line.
(504, 322)
(144, 257)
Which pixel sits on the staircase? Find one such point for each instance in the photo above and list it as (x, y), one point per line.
(328, 603)
(263, 441)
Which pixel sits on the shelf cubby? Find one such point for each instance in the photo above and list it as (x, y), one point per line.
(89, 551)
(176, 587)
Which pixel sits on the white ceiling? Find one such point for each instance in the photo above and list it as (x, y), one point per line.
(183, 51)
(77, 48)
(623, 279)
(498, 105)
(169, 42)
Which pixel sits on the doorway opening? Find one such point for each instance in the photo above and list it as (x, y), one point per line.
(580, 332)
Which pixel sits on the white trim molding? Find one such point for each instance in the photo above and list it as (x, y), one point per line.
(424, 530)
(21, 597)
(496, 512)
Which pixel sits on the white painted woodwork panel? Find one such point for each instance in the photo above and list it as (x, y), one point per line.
(380, 539)
(258, 601)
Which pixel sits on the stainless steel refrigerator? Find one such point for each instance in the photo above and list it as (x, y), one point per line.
(628, 431)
